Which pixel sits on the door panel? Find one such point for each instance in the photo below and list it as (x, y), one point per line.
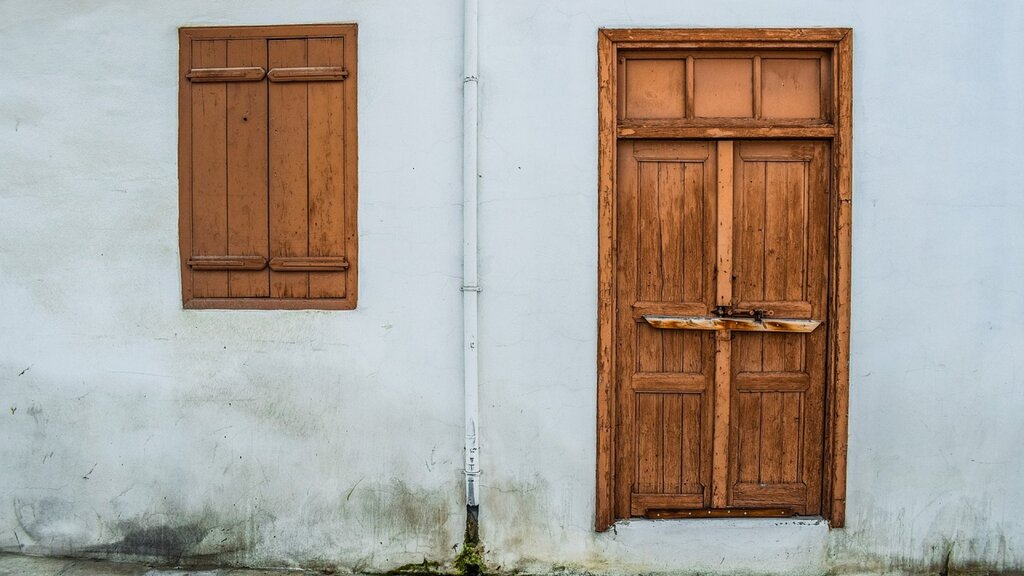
(771, 384)
(666, 237)
(776, 402)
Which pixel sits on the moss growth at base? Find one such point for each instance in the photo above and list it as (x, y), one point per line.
(470, 561)
(422, 569)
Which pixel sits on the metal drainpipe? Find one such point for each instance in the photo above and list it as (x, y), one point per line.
(470, 280)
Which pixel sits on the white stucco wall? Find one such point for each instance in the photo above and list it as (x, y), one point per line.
(334, 438)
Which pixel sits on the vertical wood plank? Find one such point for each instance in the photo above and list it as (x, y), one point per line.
(749, 285)
(792, 436)
(671, 199)
(692, 441)
(626, 221)
(650, 273)
(776, 254)
(672, 451)
(725, 223)
(693, 226)
(289, 201)
(326, 125)
(209, 169)
(776, 226)
(649, 432)
(758, 88)
(247, 169)
(720, 473)
(689, 87)
(839, 314)
(748, 437)
(771, 438)
(723, 344)
(606, 313)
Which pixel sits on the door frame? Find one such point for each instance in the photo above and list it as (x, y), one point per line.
(837, 41)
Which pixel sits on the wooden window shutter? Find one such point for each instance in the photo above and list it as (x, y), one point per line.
(267, 167)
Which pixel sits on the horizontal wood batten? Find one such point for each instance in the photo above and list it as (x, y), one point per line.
(641, 503)
(732, 35)
(308, 74)
(791, 309)
(247, 74)
(630, 130)
(308, 264)
(641, 309)
(270, 32)
(269, 304)
(668, 513)
(734, 324)
(670, 382)
(227, 262)
(753, 494)
(772, 382)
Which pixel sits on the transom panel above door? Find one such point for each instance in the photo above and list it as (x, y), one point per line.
(724, 273)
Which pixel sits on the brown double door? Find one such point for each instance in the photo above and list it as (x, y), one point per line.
(721, 293)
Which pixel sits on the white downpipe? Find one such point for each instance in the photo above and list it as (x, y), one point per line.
(470, 281)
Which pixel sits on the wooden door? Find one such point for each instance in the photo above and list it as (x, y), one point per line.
(721, 304)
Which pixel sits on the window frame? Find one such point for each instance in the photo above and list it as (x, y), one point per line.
(837, 41)
(348, 32)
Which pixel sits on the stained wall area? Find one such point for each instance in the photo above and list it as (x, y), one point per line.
(333, 439)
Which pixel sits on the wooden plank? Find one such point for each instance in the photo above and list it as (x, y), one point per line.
(718, 323)
(689, 87)
(724, 269)
(671, 199)
(247, 209)
(839, 314)
(209, 170)
(781, 494)
(792, 436)
(649, 277)
(668, 382)
(351, 171)
(227, 262)
(606, 270)
(289, 218)
(268, 304)
(230, 74)
(642, 503)
(680, 513)
(778, 309)
(694, 242)
(771, 438)
(695, 452)
(309, 264)
(816, 345)
(642, 308)
(626, 221)
(649, 459)
(756, 36)
(326, 170)
(274, 31)
(771, 381)
(757, 87)
(310, 73)
(184, 165)
(720, 457)
(672, 443)
(650, 130)
(746, 448)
